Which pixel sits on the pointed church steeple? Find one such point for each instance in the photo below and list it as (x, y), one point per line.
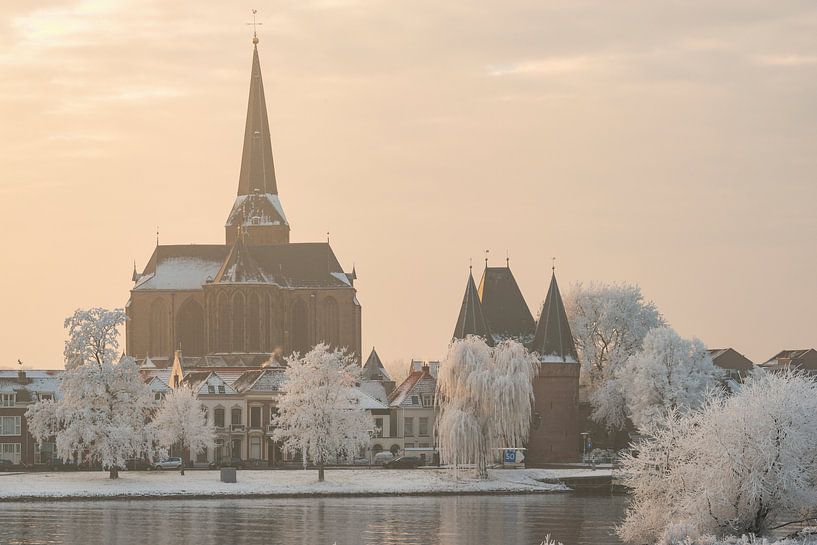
(471, 320)
(553, 340)
(257, 168)
(257, 207)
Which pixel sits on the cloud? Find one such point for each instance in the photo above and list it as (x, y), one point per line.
(793, 61)
(548, 66)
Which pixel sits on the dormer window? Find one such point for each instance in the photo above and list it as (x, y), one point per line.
(221, 389)
(428, 400)
(415, 400)
(211, 389)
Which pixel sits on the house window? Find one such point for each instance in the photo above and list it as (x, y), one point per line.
(415, 400)
(10, 425)
(8, 400)
(211, 389)
(221, 389)
(158, 396)
(408, 426)
(428, 400)
(46, 397)
(255, 448)
(10, 452)
(378, 424)
(235, 417)
(255, 417)
(423, 426)
(218, 416)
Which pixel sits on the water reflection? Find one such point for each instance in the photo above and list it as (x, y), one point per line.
(449, 520)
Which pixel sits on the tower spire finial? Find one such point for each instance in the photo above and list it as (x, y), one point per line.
(553, 267)
(486, 258)
(254, 27)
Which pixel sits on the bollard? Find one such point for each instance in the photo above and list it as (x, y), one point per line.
(228, 475)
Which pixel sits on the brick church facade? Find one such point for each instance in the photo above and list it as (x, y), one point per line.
(258, 293)
(497, 311)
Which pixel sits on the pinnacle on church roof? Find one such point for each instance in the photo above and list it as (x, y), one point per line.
(239, 266)
(471, 320)
(257, 169)
(553, 340)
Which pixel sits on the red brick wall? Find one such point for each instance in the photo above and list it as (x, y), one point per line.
(554, 435)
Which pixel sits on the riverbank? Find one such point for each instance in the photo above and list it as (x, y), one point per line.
(272, 484)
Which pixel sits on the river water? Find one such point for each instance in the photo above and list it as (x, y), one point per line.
(439, 520)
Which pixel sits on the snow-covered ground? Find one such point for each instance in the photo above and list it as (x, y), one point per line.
(273, 483)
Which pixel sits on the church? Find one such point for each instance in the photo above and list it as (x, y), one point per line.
(256, 295)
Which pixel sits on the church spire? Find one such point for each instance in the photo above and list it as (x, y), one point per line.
(257, 169)
(553, 340)
(257, 211)
(471, 320)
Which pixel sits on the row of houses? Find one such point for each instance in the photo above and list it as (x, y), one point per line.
(240, 396)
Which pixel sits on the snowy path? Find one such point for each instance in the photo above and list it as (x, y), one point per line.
(30, 486)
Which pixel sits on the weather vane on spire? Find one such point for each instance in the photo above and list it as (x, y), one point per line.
(254, 27)
(553, 268)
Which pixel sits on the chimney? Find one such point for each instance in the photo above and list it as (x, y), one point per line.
(425, 368)
(21, 377)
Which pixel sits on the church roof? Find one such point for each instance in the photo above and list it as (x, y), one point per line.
(257, 169)
(553, 340)
(504, 307)
(373, 369)
(471, 320)
(189, 267)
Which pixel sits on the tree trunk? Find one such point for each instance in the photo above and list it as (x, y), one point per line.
(182, 468)
(113, 473)
(320, 472)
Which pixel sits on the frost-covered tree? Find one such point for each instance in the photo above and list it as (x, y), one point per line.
(609, 323)
(669, 372)
(103, 405)
(485, 398)
(318, 415)
(182, 420)
(739, 465)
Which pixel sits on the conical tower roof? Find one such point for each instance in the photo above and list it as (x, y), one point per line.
(471, 320)
(504, 306)
(553, 340)
(373, 369)
(257, 169)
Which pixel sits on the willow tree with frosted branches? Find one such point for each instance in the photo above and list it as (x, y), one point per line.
(485, 397)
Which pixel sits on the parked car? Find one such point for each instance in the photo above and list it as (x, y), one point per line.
(382, 457)
(404, 462)
(169, 463)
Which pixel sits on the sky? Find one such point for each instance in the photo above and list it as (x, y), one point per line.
(670, 144)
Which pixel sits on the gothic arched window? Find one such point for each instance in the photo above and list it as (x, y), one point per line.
(330, 321)
(223, 321)
(253, 323)
(159, 329)
(238, 323)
